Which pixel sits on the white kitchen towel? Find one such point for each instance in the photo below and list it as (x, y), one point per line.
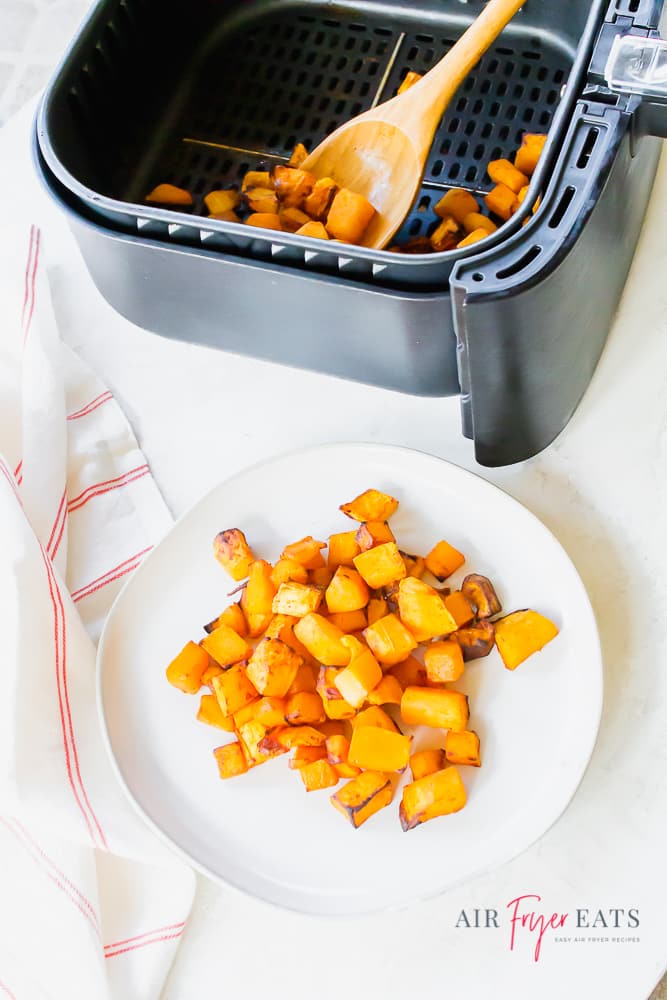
(91, 904)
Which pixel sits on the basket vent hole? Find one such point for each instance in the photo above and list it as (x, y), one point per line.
(562, 207)
(453, 125)
(462, 104)
(525, 71)
(415, 226)
(545, 118)
(424, 201)
(521, 264)
(437, 168)
(486, 86)
(503, 132)
(477, 276)
(413, 53)
(588, 147)
(478, 152)
(478, 107)
(531, 54)
(470, 128)
(454, 171)
(542, 73)
(528, 114)
(462, 149)
(471, 174)
(486, 130)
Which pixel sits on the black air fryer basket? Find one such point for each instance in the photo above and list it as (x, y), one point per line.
(197, 95)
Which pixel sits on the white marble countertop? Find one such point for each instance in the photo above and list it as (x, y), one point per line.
(601, 488)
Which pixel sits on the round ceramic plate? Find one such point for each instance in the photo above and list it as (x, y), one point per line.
(261, 832)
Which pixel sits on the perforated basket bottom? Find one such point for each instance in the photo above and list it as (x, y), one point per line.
(294, 77)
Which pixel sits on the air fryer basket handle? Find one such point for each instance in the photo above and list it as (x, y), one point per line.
(638, 66)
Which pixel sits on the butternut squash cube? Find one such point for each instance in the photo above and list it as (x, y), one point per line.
(458, 203)
(250, 735)
(232, 551)
(233, 690)
(528, 155)
(521, 634)
(436, 794)
(299, 155)
(482, 595)
(378, 749)
(443, 661)
(262, 200)
(316, 231)
(288, 570)
(349, 621)
(231, 760)
(502, 201)
(347, 591)
(306, 755)
(218, 202)
(211, 671)
(414, 565)
(304, 681)
(426, 762)
(306, 551)
(409, 673)
(256, 179)
(349, 216)
(322, 640)
(463, 748)
(318, 774)
(362, 797)
(333, 727)
(319, 200)
(372, 533)
(476, 640)
(446, 236)
(410, 79)
(291, 736)
(273, 667)
(337, 709)
(265, 220)
(293, 219)
(269, 712)
(169, 194)
(338, 750)
(320, 577)
(443, 560)
(459, 608)
(225, 646)
(476, 221)
(233, 617)
(343, 547)
(476, 236)
(296, 599)
(390, 640)
(282, 627)
(371, 505)
(361, 675)
(377, 717)
(387, 692)
(326, 683)
(380, 565)
(423, 610)
(187, 669)
(209, 712)
(305, 709)
(504, 172)
(292, 185)
(435, 707)
(257, 597)
(377, 608)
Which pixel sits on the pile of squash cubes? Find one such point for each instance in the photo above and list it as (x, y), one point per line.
(318, 657)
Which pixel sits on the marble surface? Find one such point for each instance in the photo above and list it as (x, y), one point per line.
(556, 486)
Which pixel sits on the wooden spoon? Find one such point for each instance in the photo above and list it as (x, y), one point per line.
(382, 153)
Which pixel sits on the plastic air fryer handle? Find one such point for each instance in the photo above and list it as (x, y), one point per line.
(638, 66)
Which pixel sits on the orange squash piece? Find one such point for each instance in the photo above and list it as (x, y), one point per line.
(306, 755)
(410, 79)
(251, 736)
(306, 551)
(257, 597)
(282, 627)
(187, 669)
(256, 179)
(456, 203)
(502, 201)
(230, 760)
(288, 570)
(209, 712)
(347, 591)
(349, 621)
(233, 617)
(436, 794)
(474, 237)
(426, 762)
(305, 709)
(316, 231)
(269, 712)
(363, 796)
(169, 194)
(371, 505)
(443, 661)
(414, 565)
(377, 717)
(265, 220)
(372, 533)
(482, 595)
(343, 547)
(232, 551)
(526, 159)
(423, 610)
(409, 673)
(521, 634)
(293, 219)
(218, 202)
(262, 201)
(338, 749)
(318, 774)
(349, 216)
(435, 707)
(360, 676)
(319, 200)
(459, 608)
(225, 646)
(375, 748)
(273, 667)
(377, 608)
(443, 560)
(320, 577)
(291, 736)
(322, 640)
(233, 690)
(381, 565)
(475, 221)
(299, 155)
(504, 172)
(211, 671)
(296, 599)
(387, 692)
(304, 681)
(390, 640)
(446, 236)
(293, 185)
(476, 640)
(463, 748)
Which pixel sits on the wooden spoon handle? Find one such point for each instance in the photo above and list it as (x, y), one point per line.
(430, 97)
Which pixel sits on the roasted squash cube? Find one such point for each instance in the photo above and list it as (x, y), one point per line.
(372, 533)
(375, 748)
(504, 172)
(187, 669)
(349, 621)
(320, 577)
(306, 551)
(361, 675)
(306, 755)
(387, 692)
(409, 673)
(528, 155)
(435, 707)
(292, 185)
(377, 717)
(414, 565)
(304, 681)
(291, 736)
(337, 709)
(232, 551)
(443, 661)
(305, 709)
(293, 219)
(436, 794)
(231, 760)
(318, 774)
(521, 634)
(443, 560)
(390, 640)
(299, 155)
(169, 194)
(347, 591)
(380, 565)
(288, 570)
(322, 640)
(296, 599)
(257, 597)
(218, 202)
(282, 627)
(482, 595)
(459, 608)
(446, 236)
(476, 221)
(209, 712)
(262, 200)
(269, 712)
(426, 762)
(456, 203)
(476, 236)
(233, 690)
(256, 179)
(233, 617)
(211, 671)
(273, 667)
(343, 547)
(463, 748)
(319, 200)
(371, 505)
(476, 640)
(365, 795)
(225, 646)
(265, 220)
(315, 230)
(377, 608)
(349, 216)
(250, 735)
(502, 201)
(423, 610)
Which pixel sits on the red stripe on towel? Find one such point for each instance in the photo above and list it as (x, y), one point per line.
(170, 927)
(90, 407)
(107, 486)
(143, 944)
(113, 574)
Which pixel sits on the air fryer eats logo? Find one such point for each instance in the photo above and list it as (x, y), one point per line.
(529, 922)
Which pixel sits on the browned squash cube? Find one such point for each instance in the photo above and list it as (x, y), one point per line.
(380, 565)
(293, 219)
(306, 551)
(362, 797)
(272, 667)
(371, 505)
(414, 565)
(319, 200)
(257, 179)
(446, 236)
(347, 591)
(481, 593)
(361, 675)
(305, 709)
(426, 762)
(463, 748)
(423, 610)
(306, 755)
(187, 669)
(169, 194)
(377, 608)
(435, 707)
(390, 640)
(436, 794)
(232, 551)
(233, 617)
(476, 640)
(322, 640)
(343, 547)
(443, 661)
(374, 748)
(459, 608)
(257, 597)
(338, 749)
(231, 760)
(318, 774)
(456, 203)
(292, 185)
(372, 533)
(225, 646)
(316, 231)
(299, 155)
(443, 560)
(269, 712)
(296, 599)
(219, 202)
(209, 712)
(291, 736)
(377, 717)
(409, 673)
(288, 570)
(264, 201)
(521, 634)
(233, 690)
(387, 692)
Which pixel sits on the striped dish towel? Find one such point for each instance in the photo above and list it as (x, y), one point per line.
(91, 904)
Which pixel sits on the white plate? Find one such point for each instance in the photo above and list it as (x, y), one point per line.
(262, 833)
